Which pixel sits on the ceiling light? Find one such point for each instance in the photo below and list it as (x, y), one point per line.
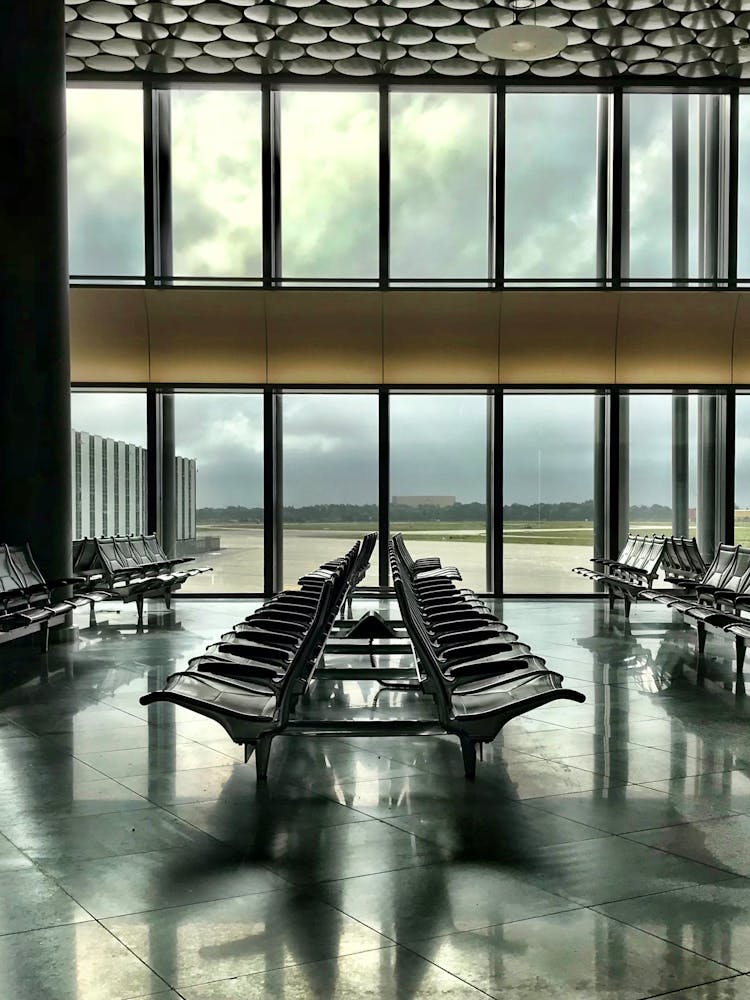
(527, 42)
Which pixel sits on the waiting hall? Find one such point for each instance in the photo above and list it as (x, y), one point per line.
(375, 500)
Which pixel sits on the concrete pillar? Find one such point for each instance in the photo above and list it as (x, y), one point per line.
(35, 495)
(707, 480)
(680, 466)
(169, 481)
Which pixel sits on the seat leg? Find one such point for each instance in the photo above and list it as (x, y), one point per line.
(627, 605)
(739, 645)
(168, 602)
(262, 755)
(701, 638)
(469, 754)
(92, 615)
(611, 601)
(44, 648)
(249, 749)
(139, 607)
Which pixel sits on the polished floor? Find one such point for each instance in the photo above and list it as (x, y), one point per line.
(603, 851)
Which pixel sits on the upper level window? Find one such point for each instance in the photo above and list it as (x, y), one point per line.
(440, 185)
(329, 184)
(672, 187)
(217, 213)
(550, 186)
(105, 182)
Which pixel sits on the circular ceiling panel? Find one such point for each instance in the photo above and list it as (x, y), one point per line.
(692, 39)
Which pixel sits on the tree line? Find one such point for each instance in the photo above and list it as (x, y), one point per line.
(335, 513)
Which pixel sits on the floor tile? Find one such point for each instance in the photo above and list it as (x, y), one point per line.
(345, 851)
(576, 954)
(628, 808)
(720, 842)
(387, 974)
(206, 942)
(711, 920)
(438, 899)
(75, 962)
(153, 760)
(737, 988)
(610, 868)
(107, 836)
(110, 887)
(11, 859)
(30, 900)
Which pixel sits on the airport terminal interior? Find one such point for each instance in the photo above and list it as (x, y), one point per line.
(375, 500)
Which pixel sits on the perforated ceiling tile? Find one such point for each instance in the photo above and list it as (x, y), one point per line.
(682, 39)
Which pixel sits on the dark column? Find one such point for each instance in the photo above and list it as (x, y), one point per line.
(707, 507)
(35, 494)
(168, 482)
(680, 466)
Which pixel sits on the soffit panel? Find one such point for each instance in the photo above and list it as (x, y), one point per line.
(685, 41)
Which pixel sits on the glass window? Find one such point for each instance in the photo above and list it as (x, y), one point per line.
(671, 148)
(217, 211)
(105, 181)
(551, 186)
(440, 185)
(548, 491)
(329, 184)
(743, 228)
(219, 488)
(439, 478)
(330, 490)
(668, 498)
(742, 470)
(109, 471)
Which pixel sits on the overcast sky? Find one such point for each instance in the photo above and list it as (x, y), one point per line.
(438, 445)
(440, 179)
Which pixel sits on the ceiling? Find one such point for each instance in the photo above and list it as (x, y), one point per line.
(636, 40)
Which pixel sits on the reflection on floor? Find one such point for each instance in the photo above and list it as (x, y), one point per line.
(601, 853)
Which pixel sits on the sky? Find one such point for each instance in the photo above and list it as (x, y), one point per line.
(439, 197)
(438, 444)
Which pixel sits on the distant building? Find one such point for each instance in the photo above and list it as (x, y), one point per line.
(433, 501)
(109, 488)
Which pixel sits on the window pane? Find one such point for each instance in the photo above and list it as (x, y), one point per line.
(217, 208)
(105, 181)
(439, 479)
(329, 184)
(671, 149)
(440, 159)
(743, 228)
(330, 449)
(742, 471)
(219, 494)
(108, 444)
(551, 200)
(655, 507)
(548, 512)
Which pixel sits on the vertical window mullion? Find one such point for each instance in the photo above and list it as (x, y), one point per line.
(384, 488)
(499, 185)
(384, 188)
(271, 169)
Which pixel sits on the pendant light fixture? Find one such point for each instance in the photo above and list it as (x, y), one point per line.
(526, 42)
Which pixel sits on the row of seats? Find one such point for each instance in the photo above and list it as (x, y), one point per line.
(27, 601)
(131, 568)
(636, 568)
(478, 672)
(250, 680)
(717, 600)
